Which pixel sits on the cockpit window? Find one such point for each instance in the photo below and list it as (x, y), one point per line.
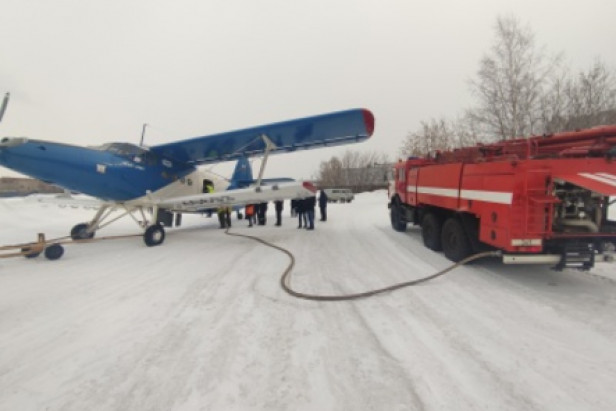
(130, 151)
(122, 149)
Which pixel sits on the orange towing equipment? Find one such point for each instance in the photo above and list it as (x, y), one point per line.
(542, 199)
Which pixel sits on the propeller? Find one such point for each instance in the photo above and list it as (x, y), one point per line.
(5, 103)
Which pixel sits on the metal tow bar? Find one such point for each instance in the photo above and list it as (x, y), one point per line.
(52, 249)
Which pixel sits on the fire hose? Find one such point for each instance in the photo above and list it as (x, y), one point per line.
(285, 279)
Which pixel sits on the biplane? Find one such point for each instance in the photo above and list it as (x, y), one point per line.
(154, 185)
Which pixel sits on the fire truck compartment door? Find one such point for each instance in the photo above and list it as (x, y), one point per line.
(603, 183)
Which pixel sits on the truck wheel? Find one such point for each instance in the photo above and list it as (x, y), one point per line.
(456, 244)
(79, 232)
(395, 214)
(431, 231)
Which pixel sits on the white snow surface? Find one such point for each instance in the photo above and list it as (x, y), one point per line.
(201, 323)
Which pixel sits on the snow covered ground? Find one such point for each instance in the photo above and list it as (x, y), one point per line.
(200, 323)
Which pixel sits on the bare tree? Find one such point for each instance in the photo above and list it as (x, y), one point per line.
(510, 82)
(586, 100)
(521, 92)
(434, 135)
(592, 97)
(355, 170)
(330, 173)
(554, 104)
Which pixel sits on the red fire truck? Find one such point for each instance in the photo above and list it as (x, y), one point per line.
(542, 199)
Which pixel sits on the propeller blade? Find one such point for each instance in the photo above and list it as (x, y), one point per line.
(5, 103)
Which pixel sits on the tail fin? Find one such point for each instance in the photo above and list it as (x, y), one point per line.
(242, 175)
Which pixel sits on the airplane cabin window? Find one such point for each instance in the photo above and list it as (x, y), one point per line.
(130, 151)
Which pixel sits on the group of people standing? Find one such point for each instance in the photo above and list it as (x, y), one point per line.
(302, 208)
(256, 214)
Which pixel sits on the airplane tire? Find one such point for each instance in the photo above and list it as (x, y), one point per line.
(456, 244)
(54, 251)
(154, 235)
(29, 253)
(79, 232)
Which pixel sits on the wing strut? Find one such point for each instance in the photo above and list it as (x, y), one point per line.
(269, 145)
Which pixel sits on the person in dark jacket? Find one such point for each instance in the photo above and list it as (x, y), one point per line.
(278, 204)
(294, 207)
(301, 212)
(323, 205)
(310, 204)
(261, 213)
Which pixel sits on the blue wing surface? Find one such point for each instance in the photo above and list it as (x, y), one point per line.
(331, 129)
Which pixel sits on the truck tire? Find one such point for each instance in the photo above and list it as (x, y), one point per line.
(456, 244)
(431, 231)
(395, 214)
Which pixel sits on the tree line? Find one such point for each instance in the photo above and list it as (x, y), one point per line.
(355, 170)
(519, 90)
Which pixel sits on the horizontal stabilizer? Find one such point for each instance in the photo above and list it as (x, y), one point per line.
(343, 127)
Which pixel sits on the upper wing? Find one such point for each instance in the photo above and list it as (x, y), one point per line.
(330, 129)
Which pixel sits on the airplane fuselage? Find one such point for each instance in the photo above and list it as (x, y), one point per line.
(164, 179)
(116, 171)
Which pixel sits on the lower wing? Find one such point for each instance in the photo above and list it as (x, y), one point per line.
(242, 196)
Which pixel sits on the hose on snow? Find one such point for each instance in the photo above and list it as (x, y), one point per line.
(286, 276)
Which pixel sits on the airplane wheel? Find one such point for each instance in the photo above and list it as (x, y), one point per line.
(154, 235)
(29, 253)
(54, 251)
(79, 232)
(431, 231)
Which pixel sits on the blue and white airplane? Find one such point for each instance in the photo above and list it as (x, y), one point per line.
(164, 180)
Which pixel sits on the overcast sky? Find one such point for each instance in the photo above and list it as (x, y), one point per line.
(89, 72)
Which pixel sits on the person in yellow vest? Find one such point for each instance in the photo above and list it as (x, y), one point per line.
(224, 216)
